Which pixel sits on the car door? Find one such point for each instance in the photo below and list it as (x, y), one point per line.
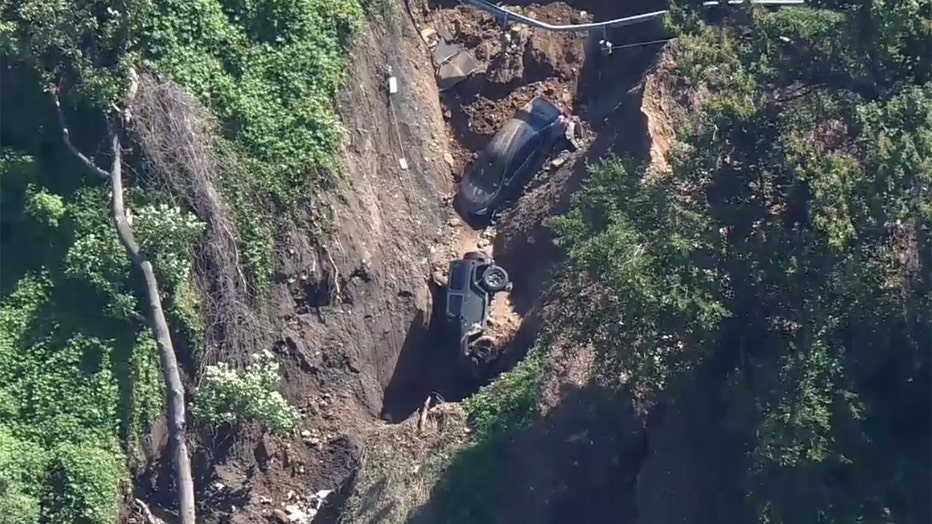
(523, 165)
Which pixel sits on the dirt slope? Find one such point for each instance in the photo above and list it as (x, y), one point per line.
(575, 465)
(348, 307)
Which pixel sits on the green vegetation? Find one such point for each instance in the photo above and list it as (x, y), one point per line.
(471, 486)
(79, 376)
(230, 396)
(783, 267)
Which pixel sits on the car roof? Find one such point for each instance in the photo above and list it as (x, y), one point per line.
(526, 123)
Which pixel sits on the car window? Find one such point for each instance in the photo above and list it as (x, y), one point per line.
(459, 277)
(485, 173)
(455, 305)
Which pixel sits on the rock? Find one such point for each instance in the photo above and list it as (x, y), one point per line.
(295, 514)
(305, 434)
(280, 517)
(427, 33)
(557, 162)
(448, 158)
(453, 222)
(264, 500)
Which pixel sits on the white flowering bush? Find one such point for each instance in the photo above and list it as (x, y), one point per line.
(230, 396)
(167, 234)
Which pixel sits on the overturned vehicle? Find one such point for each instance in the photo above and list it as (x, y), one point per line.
(471, 284)
(512, 158)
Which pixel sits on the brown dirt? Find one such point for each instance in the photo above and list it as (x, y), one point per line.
(667, 103)
(348, 305)
(528, 64)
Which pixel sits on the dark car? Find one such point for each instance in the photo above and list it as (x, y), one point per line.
(511, 159)
(471, 283)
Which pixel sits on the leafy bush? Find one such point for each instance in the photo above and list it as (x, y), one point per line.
(509, 403)
(168, 233)
(74, 366)
(83, 482)
(776, 269)
(269, 71)
(43, 360)
(471, 488)
(22, 468)
(44, 207)
(230, 396)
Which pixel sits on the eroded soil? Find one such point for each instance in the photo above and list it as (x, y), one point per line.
(356, 330)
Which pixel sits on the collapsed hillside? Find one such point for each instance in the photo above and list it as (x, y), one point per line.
(595, 412)
(340, 351)
(601, 422)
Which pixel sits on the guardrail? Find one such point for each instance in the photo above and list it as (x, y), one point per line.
(510, 16)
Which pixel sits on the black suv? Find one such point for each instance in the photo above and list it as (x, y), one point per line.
(471, 283)
(512, 158)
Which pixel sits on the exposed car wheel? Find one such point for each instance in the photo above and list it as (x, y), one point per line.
(483, 347)
(494, 279)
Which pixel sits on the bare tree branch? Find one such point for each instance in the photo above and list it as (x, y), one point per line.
(174, 389)
(66, 135)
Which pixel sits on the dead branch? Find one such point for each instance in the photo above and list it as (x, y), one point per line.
(174, 389)
(422, 418)
(66, 136)
(147, 513)
(177, 137)
(335, 293)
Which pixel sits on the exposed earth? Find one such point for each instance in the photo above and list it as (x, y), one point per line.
(360, 356)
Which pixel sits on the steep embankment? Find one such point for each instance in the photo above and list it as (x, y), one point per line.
(348, 309)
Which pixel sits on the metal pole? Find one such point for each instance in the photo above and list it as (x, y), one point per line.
(503, 13)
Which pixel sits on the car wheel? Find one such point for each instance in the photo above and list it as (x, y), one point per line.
(494, 279)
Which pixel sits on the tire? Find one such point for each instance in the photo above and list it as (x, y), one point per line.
(494, 279)
(483, 347)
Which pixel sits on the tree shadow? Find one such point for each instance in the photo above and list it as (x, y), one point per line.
(428, 364)
(576, 464)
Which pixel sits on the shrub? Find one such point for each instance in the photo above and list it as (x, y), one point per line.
(84, 485)
(22, 466)
(230, 396)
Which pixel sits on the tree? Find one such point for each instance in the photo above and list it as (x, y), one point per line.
(781, 270)
(174, 389)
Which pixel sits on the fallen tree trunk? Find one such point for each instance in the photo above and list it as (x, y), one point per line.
(174, 389)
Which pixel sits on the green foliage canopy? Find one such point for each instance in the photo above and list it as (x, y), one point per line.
(784, 266)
